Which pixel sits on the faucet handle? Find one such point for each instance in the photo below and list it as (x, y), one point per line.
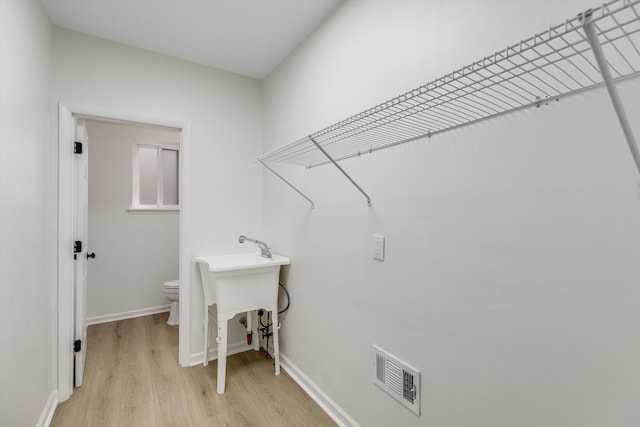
(266, 252)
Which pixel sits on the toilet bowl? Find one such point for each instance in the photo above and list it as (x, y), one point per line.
(171, 290)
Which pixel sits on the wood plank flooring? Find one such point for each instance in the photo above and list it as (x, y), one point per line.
(132, 378)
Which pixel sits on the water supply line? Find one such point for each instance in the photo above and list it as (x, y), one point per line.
(265, 330)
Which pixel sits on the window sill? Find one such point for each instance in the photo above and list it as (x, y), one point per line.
(145, 211)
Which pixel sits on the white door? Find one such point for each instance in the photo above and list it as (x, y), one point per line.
(81, 212)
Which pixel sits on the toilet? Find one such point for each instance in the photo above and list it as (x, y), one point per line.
(171, 291)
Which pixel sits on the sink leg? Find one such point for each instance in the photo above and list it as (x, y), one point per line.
(276, 341)
(206, 336)
(222, 354)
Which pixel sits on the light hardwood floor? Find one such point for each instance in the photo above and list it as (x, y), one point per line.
(132, 378)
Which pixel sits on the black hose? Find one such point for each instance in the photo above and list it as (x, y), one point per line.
(281, 311)
(288, 298)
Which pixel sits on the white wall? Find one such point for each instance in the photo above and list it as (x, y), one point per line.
(135, 253)
(27, 376)
(226, 123)
(511, 271)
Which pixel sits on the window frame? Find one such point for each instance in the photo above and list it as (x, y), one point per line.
(159, 207)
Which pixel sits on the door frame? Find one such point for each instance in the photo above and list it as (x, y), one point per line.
(66, 113)
(81, 227)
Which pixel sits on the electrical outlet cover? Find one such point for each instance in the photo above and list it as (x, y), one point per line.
(378, 247)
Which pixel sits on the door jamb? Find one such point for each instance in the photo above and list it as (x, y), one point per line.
(65, 233)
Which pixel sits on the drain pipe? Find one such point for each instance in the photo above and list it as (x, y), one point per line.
(247, 323)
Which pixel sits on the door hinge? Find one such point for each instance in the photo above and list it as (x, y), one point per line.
(77, 346)
(77, 147)
(77, 247)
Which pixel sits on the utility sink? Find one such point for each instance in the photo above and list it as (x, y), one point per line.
(239, 283)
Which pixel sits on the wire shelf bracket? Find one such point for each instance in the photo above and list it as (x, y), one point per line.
(598, 47)
(340, 169)
(313, 206)
(590, 31)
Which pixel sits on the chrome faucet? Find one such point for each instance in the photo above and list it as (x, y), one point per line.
(264, 249)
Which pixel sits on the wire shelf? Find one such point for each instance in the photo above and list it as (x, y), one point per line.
(549, 65)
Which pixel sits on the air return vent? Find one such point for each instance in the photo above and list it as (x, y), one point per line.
(397, 378)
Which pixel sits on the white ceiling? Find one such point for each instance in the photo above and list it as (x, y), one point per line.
(247, 37)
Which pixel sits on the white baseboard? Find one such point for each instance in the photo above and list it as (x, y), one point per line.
(48, 410)
(338, 414)
(232, 348)
(127, 314)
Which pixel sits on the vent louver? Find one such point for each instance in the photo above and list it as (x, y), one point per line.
(397, 378)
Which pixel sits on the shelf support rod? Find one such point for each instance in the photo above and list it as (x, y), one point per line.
(590, 31)
(313, 206)
(340, 169)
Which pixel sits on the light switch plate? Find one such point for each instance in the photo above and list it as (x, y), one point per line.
(378, 247)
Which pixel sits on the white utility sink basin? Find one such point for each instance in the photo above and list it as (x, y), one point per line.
(232, 262)
(239, 283)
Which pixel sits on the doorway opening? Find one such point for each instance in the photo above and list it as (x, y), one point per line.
(127, 239)
(136, 246)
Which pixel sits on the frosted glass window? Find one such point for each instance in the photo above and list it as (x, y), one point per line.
(148, 168)
(156, 172)
(169, 177)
